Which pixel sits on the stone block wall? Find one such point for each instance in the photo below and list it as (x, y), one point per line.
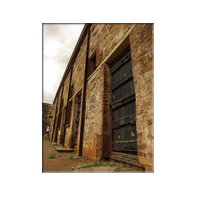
(96, 139)
(59, 138)
(103, 138)
(58, 116)
(54, 112)
(93, 114)
(105, 142)
(79, 68)
(104, 40)
(71, 130)
(60, 104)
(47, 114)
(59, 100)
(70, 133)
(66, 89)
(104, 37)
(76, 84)
(141, 44)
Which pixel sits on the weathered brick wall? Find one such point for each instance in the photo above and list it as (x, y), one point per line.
(63, 108)
(53, 118)
(62, 96)
(103, 137)
(59, 138)
(141, 44)
(106, 113)
(55, 131)
(57, 117)
(79, 68)
(96, 143)
(47, 113)
(104, 38)
(97, 115)
(54, 112)
(93, 114)
(59, 100)
(66, 89)
(76, 83)
(70, 131)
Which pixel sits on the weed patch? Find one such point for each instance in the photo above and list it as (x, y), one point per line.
(71, 158)
(99, 163)
(117, 170)
(95, 164)
(52, 156)
(84, 158)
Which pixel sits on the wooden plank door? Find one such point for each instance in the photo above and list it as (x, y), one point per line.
(77, 120)
(123, 107)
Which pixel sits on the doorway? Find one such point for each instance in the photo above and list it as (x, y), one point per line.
(123, 131)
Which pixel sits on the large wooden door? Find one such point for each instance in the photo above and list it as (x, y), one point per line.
(123, 107)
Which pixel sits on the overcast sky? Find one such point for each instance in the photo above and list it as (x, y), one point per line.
(59, 41)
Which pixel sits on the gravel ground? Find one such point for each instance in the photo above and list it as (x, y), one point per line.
(53, 161)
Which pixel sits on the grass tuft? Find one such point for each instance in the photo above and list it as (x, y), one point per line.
(71, 158)
(117, 170)
(52, 156)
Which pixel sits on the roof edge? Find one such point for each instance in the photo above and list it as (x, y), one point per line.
(73, 56)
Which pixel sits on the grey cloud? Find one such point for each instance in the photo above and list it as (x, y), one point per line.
(48, 96)
(63, 33)
(67, 36)
(51, 31)
(45, 57)
(63, 55)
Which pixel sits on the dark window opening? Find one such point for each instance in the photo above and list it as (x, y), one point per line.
(71, 92)
(68, 114)
(91, 66)
(94, 64)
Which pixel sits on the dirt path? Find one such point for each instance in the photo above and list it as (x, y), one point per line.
(53, 161)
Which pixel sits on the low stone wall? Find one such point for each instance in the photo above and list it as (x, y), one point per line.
(47, 114)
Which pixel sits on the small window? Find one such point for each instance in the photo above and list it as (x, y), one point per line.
(91, 66)
(94, 64)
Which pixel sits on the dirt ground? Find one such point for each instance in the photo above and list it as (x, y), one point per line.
(53, 161)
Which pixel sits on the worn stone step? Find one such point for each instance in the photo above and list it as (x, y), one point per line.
(64, 150)
(54, 144)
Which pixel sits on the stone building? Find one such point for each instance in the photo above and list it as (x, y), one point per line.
(47, 114)
(104, 103)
